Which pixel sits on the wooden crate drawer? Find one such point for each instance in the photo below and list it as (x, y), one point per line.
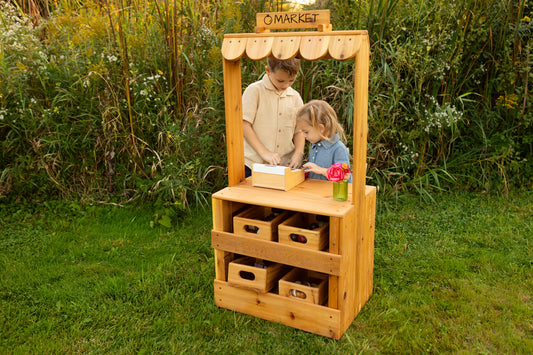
(305, 285)
(305, 230)
(259, 222)
(244, 273)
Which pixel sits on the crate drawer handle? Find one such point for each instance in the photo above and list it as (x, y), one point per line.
(298, 238)
(247, 275)
(298, 294)
(251, 229)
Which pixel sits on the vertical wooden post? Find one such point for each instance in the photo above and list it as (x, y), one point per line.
(234, 135)
(360, 124)
(360, 132)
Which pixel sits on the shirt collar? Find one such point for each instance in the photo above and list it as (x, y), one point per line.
(268, 84)
(328, 143)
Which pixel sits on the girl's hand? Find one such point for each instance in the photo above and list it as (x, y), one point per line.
(296, 160)
(312, 167)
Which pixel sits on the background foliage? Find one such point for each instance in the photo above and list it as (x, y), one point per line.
(122, 99)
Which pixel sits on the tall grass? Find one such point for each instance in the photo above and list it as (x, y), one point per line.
(106, 100)
(123, 99)
(448, 92)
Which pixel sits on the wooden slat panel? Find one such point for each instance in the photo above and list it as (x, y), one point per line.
(344, 47)
(281, 253)
(259, 48)
(297, 314)
(313, 47)
(284, 48)
(233, 48)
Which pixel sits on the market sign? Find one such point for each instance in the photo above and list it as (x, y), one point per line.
(289, 20)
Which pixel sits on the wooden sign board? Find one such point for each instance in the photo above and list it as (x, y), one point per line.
(319, 19)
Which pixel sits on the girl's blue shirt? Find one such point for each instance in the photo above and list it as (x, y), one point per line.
(326, 153)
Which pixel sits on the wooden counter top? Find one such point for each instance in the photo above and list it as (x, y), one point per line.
(311, 196)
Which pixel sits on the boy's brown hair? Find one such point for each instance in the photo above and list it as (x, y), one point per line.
(291, 66)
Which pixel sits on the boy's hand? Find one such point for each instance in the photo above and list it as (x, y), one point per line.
(271, 158)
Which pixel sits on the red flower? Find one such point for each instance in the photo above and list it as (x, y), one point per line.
(338, 172)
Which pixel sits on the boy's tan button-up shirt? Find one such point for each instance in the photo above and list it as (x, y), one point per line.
(273, 118)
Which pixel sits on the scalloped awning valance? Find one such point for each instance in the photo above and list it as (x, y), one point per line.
(339, 45)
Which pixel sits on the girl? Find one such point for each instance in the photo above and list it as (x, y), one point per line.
(318, 122)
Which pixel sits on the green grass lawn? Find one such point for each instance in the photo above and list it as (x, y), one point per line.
(454, 276)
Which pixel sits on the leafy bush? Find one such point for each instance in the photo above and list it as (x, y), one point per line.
(98, 105)
(99, 100)
(448, 93)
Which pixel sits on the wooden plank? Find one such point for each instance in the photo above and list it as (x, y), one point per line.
(311, 196)
(320, 261)
(349, 293)
(368, 245)
(334, 234)
(314, 48)
(333, 292)
(234, 133)
(221, 221)
(259, 48)
(360, 125)
(360, 132)
(344, 47)
(297, 314)
(284, 48)
(292, 20)
(233, 48)
(298, 34)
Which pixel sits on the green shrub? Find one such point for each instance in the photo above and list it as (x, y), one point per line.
(99, 100)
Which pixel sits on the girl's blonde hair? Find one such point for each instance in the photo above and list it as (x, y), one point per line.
(317, 112)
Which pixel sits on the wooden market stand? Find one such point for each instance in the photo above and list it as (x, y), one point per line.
(348, 257)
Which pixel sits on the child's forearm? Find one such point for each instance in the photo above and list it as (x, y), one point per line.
(251, 138)
(322, 171)
(298, 154)
(312, 167)
(299, 142)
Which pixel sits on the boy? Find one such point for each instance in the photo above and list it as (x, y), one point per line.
(269, 118)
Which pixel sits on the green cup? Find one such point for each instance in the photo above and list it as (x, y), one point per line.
(340, 191)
